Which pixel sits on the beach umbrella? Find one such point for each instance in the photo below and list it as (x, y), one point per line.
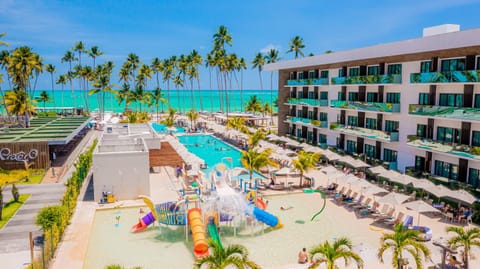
(393, 198)
(329, 170)
(402, 179)
(439, 191)
(462, 196)
(421, 207)
(377, 169)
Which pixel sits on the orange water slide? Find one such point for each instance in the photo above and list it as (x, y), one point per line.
(200, 246)
(261, 204)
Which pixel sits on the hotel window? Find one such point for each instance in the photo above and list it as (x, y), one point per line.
(391, 126)
(323, 116)
(309, 136)
(478, 63)
(310, 114)
(422, 130)
(323, 95)
(477, 101)
(476, 138)
(300, 113)
(370, 151)
(474, 177)
(419, 163)
(300, 94)
(340, 72)
(423, 98)
(311, 95)
(299, 132)
(449, 135)
(353, 96)
(393, 97)
(292, 75)
(394, 69)
(451, 99)
(372, 70)
(351, 146)
(390, 155)
(324, 74)
(453, 65)
(352, 121)
(290, 130)
(340, 96)
(445, 169)
(425, 67)
(311, 74)
(300, 75)
(372, 97)
(371, 123)
(322, 139)
(354, 71)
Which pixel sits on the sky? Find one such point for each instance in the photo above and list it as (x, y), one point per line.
(161, 28)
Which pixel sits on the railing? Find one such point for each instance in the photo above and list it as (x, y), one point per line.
(365, 106)
(459, 150)
(371, 79)
(316, 123)
(308, 81)
(365, 132)
(307, 101)
(463, 113)
(446, 77)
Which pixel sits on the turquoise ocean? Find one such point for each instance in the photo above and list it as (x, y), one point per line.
(205, 100)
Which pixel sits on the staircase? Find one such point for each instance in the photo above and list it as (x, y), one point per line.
(165, 156)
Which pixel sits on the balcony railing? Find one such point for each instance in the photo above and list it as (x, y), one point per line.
(308, 81)
(446, 77)
(307, 101)
(365, 106)
(461, 113)
(305, 121)
(372, 79)
(458, 150)
(365, 132)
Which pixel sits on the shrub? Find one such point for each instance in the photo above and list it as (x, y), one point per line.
(15, 193)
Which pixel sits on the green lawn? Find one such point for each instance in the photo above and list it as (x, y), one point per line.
(11, 208)
(18, 176)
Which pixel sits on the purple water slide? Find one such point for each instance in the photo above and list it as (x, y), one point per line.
(148, 219)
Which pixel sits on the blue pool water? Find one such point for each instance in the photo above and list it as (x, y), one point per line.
(213, 151)
(162, 128)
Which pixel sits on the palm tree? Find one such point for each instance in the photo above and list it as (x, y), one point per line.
(237, 123)
(272, 57)
(258, 62)
(158, 98)
(254, 105)
(144, 74)
(242, 65)
(192, 115)
(157, 68)
(304, 162)
(403, 240)
(124, 94)
(233, 256)
(94, 52)
(44, 97)
(17, 102)
(255, 138)
(222, 37)
(4, 62)
(253, 160)
(195, 61)
(466, 239)
(80, 48)
(70, 57)
(102, 85)
(328, 253)
(296, 45)
(178, 82)
(62, 80)
(132, 62)
(50, 68)
(210, 63)
(3, 43)
(168, 72)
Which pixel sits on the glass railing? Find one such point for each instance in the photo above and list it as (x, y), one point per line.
(462, 113)
(365, 132)
(307, 101)
(446, 77)
(308, 81)
(459, 150)
(365, 106)
(305, 121)
(372, 79)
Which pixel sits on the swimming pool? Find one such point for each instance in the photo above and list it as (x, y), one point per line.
(213, 151)
(162, 128)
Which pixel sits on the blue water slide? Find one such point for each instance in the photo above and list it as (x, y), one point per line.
(265, 217)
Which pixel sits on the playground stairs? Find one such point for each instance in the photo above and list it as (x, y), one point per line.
(165, 156)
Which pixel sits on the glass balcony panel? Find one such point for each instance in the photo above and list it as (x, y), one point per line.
(310, 81)
(305, 121)
(446, 77)
(458, 150)
(365, 132)
(306, 101)
(365, 106)
(372, 79)
(461, 113)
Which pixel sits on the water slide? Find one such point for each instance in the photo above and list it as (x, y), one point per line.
(200, 246)
(324, 201)
(266, 217)
(261, 204)
(148, 219)
(213, 231)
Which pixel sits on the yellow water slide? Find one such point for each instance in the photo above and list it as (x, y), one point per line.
(200, 246)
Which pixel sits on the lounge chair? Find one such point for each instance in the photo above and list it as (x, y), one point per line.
(385, 217)
(363, 205)
(383, 211)
(355, 202)
(278, 187)
(393, 222)
(339, 198)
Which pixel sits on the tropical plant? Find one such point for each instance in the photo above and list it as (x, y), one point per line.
(233, 256)
(328, 254)
(3, 43)
(102, 85)
(94, 52)
(255, 138)
(17, 102)
(70, 58)
(192, 115)
(50, 68)
(44, 97)
(403, 240)
(254, 160)
(254, 105)
(272, 57)
(62, 80)
(258, 62)
(296, 45)
(237, 123)
(158, 98)
(465, 239)
(304, 162)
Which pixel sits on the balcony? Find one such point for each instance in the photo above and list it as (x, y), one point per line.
(446, 77)
(366, 106)
(307, 102)
(365, 132)
(458, 150)
(308, 81)
(308, 122)
(448, 112)
(372, 79)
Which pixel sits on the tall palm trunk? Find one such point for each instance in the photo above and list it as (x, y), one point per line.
(53, 92)
(227, 105)
(211, 90)
(192, 94)
(200, 94)
(220, 91)
(241, 92)
(168, 93)
(271, 98)
(178, 100)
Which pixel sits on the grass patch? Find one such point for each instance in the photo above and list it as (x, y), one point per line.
(11, 208)
(18, 176)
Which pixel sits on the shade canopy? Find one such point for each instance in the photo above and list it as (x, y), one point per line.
(420, 206)
(462, 196)
(393, 198)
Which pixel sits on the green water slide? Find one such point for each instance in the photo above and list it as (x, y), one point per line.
(213, 231)
(324, 201)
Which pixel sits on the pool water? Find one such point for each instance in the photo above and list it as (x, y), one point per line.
(162, 128)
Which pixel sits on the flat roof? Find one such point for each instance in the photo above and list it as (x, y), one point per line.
(421, 47)
(54, 130)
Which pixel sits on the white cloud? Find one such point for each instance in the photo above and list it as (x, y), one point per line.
(269, 47)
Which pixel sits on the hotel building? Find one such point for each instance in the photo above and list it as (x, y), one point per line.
(413, 104)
